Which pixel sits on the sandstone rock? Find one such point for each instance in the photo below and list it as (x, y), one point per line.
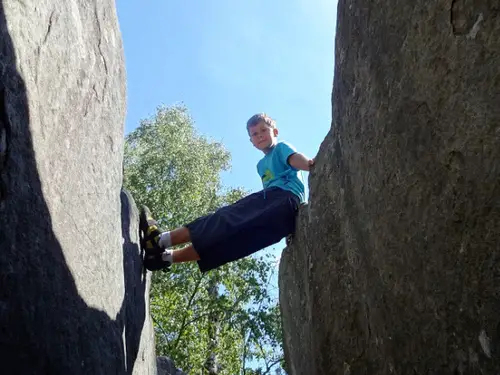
(72, 292)
(166, 366)
(140, 357)
(394, 268)
(294, 291)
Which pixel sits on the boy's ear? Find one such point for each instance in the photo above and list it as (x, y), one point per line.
(275, 132)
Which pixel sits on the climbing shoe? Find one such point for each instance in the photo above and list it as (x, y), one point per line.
(151, 233)
(155, 262)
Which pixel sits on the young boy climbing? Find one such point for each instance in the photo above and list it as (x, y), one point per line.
(242, 228)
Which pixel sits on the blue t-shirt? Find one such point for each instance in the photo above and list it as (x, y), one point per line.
(275, 171)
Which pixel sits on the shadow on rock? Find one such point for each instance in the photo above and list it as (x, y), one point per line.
(133, 312)
(45, 326)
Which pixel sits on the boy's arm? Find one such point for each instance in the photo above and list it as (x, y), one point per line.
(300, 161)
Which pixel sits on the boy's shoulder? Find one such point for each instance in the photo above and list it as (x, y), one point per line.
(285, 148)
(282, 142)
(285, 144)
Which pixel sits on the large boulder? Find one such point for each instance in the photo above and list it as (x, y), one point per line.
(72, 289)
(165, 366)
(394, 267)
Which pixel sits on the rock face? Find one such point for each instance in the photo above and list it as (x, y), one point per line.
(72, 291)
(394, 268)
(166, 366)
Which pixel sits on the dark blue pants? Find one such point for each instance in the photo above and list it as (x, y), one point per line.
(238, 230)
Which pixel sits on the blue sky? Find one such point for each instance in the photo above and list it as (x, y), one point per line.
(226, 60)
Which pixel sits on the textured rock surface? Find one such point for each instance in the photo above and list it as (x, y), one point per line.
(166, 366)
(294, 292)
(394, 269)
(71, 287)
(138, 336)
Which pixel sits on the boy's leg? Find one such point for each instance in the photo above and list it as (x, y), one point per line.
(186, 254)
(155, 240)
(179, 236)
(155, 262)
(236, 231)
(156, 258)
(233, 232)
(174, 237)
(209, 229)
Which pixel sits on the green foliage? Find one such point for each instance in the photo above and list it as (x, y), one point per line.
(227, 315)
(173, 169)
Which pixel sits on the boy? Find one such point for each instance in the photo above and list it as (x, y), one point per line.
(250, 224)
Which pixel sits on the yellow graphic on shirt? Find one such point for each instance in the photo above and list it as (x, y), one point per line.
(268, 175)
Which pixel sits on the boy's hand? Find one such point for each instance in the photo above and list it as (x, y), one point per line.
(311, 162)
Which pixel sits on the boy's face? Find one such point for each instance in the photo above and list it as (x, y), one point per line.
(262, 136)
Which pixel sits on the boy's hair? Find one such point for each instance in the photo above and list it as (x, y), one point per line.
(255, 119)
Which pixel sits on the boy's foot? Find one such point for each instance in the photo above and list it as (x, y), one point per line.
(155, 262)
(151, 233)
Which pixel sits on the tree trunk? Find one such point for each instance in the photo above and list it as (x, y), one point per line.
(211, 365)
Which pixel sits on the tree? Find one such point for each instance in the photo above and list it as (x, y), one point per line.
(219, 322)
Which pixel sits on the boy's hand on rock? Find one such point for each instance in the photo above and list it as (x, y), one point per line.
(311, 162)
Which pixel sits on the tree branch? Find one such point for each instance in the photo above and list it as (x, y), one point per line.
(272, 364)
(190, 302)
(245, 347)
(165, 334)
(261, 349)
(226, 312)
